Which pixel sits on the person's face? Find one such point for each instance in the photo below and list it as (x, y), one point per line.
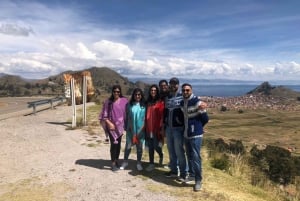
(164, 87)
(186, 91)
(173, 86)
(137, 96)
(153, 92)
(116, 93)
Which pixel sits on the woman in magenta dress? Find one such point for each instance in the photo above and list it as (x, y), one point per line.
(112, 120)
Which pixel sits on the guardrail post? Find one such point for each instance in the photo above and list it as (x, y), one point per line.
(34, 109)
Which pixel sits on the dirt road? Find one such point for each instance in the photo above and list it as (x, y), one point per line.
(40, 160)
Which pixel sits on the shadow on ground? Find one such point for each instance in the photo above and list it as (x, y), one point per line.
(66, 124)
(156, 175)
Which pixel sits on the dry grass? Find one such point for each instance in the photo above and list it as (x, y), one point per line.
(279, 128)
(251, 127)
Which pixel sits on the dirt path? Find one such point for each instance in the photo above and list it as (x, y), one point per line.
(41, 160)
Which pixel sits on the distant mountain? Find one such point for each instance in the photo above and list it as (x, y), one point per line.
(103, 79)
(279, 91)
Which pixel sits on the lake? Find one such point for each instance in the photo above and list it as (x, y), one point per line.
(222, 87)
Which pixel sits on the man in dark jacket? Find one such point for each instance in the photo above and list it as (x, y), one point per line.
(174, 131)
(195, 118)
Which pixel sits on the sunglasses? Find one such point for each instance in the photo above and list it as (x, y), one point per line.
(186, 90)
(117, 92)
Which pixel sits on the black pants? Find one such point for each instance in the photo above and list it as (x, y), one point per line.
(115, 148)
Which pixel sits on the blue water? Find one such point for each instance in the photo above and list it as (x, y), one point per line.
(229, 90)
(224, 88)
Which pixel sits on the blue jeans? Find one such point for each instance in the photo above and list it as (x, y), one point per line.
(175, 143)
(193, 148)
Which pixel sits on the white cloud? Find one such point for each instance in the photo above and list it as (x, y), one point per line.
(59, 39)
(84, 52)
(112, 50)
(28, 66)
(287, 68)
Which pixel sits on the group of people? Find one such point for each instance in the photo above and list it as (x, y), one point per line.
(168, 111)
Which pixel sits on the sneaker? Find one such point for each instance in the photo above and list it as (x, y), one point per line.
(189, 180)
(114, 168)
(197, 186)
(181, 179)
(124, 165)
(171, 174)
(167, 167)
(139, 166)
(150, 167)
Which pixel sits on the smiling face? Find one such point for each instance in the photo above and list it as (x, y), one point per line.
(153, 92)
(137, 96)
(187, 91)
(164, 87)
(116, 93)
(173, 87)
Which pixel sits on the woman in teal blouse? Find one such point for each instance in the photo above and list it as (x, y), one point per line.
(135, 127)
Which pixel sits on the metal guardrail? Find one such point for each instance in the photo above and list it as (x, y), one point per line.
(34, 104)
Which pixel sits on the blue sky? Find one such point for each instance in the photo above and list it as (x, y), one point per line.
(232, 39)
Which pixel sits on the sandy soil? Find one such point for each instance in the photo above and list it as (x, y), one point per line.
(40, 159)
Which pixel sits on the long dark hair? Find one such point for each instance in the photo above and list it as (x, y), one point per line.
(142, 101)
(150, 99)
(114, 87)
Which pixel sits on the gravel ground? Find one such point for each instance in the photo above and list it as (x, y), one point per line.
(40, 159)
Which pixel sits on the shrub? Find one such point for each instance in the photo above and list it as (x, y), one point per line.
(237, 147)
(276, 162)
(223, 108)
(221, 163)
(220, 145)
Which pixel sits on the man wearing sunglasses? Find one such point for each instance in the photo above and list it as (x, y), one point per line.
(195, 118)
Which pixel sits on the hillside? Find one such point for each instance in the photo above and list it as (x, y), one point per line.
(103, 79)
(266, 89)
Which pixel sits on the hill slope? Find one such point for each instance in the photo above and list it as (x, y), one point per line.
(266, 89)
(103, 79)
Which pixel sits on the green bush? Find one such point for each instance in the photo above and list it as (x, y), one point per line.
(276, 162)
(221, 163)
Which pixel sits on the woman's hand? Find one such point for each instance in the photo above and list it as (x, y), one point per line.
(203, 105)
(110, 125)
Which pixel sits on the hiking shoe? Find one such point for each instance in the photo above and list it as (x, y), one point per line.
(189, 180)
(171, 174)
(150, 167)
(124, 165)
(197, 186)
(115, 168)
(139, 166)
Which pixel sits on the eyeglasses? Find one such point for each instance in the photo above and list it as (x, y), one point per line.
(137, 94)
(186, 90)
(117, 92)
